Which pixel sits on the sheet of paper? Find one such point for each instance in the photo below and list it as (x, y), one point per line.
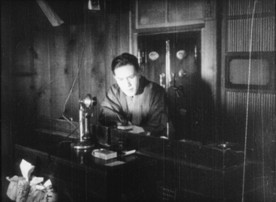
(115, 163)
(26, 169)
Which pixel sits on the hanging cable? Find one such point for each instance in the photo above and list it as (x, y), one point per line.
(247, 98)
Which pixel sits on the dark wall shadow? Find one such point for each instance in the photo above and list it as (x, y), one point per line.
(191, 109)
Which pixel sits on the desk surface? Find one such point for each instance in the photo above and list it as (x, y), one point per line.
(206, 170)
(78, 176)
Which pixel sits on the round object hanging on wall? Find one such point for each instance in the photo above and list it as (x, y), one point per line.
(181, 54)
(153, 55)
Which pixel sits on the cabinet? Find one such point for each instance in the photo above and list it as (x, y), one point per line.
(166, 13)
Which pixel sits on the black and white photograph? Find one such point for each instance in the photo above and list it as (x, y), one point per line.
(138, 100)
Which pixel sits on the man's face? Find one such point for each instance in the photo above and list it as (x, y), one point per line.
(127, 79)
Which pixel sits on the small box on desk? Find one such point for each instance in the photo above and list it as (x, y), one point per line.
(104, 154)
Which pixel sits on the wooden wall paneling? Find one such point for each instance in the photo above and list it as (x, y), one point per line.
(117, 39)
(97, 69)
(86, 59)
(47, 60)
(263, 35)
(124, 32)
(23, 67)
(64, 54)
(30, 71)
(75, 60)
(43, 80)
(92, 74)
(100, 66)
(262, 110)
(111, 46)
(25, 106)
(237, 28)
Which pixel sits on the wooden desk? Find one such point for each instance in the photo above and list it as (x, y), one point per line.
(190, 171)
(80, 177)
(161, 170)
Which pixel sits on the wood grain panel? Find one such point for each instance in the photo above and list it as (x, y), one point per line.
(112, 48)
(63, 61)
(43, 80)
(57, 66)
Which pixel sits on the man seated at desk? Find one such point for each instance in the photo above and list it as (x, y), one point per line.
(134, 103)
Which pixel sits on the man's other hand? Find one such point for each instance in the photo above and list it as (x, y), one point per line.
(132, 129)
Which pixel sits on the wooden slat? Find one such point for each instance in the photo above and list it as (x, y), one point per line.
(262, 108)
(263, 38)
(64, 53)
(42, 81)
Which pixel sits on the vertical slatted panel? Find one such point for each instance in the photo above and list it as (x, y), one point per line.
(239, 29)
(263, 34)
(261, 104)
(245, 7)
(258, 103)
(262, 108)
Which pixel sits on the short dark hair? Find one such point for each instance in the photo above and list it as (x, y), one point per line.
(125, 59)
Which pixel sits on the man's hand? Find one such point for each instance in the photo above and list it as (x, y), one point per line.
(132, 129)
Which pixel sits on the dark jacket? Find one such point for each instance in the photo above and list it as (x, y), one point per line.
(149, 110)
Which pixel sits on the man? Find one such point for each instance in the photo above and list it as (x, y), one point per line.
(134, 103)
